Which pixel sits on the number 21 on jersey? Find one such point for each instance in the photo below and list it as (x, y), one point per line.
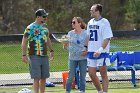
(93, 35)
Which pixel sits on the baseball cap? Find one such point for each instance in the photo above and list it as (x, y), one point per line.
(41, 12)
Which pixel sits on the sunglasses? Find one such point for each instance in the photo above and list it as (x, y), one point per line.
(73, 22)
(44, 16)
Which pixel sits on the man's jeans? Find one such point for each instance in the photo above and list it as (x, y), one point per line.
(72, 71)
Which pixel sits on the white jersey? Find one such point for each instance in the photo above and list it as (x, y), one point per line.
(97, 32)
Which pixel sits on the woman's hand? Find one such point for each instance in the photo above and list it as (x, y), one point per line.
(65, 45)
(84, 53)
(51, 55)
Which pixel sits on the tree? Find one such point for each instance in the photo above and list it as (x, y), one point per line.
(15, 15)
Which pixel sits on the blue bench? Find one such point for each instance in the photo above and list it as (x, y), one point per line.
(126, 61)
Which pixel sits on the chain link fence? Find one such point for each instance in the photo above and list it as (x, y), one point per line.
(14, 72)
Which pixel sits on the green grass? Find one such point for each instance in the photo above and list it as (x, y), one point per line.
(11, 62)
(125, 45)
(124, 88)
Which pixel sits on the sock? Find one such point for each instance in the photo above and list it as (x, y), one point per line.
(100, 91)
(104, 92)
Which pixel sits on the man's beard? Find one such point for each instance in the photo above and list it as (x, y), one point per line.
(42, 22)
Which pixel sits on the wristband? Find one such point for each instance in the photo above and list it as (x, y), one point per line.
(100, 50)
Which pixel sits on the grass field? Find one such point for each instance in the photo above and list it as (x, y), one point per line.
(11, 58)
(10, 55)
(126, 44)
(89, 89)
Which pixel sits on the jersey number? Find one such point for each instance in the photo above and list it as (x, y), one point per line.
(93, 35)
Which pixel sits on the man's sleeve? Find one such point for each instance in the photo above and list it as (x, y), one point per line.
(26, 32)
(87, 30)
(107, 31)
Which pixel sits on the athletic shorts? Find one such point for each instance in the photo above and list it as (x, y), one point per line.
(39, 67)
(98, 62)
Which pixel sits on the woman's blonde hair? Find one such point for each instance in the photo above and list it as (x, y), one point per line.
(80, 20)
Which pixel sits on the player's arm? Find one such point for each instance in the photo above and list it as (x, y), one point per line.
(107, 34)
(104, 44)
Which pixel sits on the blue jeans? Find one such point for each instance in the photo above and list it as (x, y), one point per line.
(72, 71)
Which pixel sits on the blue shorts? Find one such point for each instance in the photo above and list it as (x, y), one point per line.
(39, 67)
